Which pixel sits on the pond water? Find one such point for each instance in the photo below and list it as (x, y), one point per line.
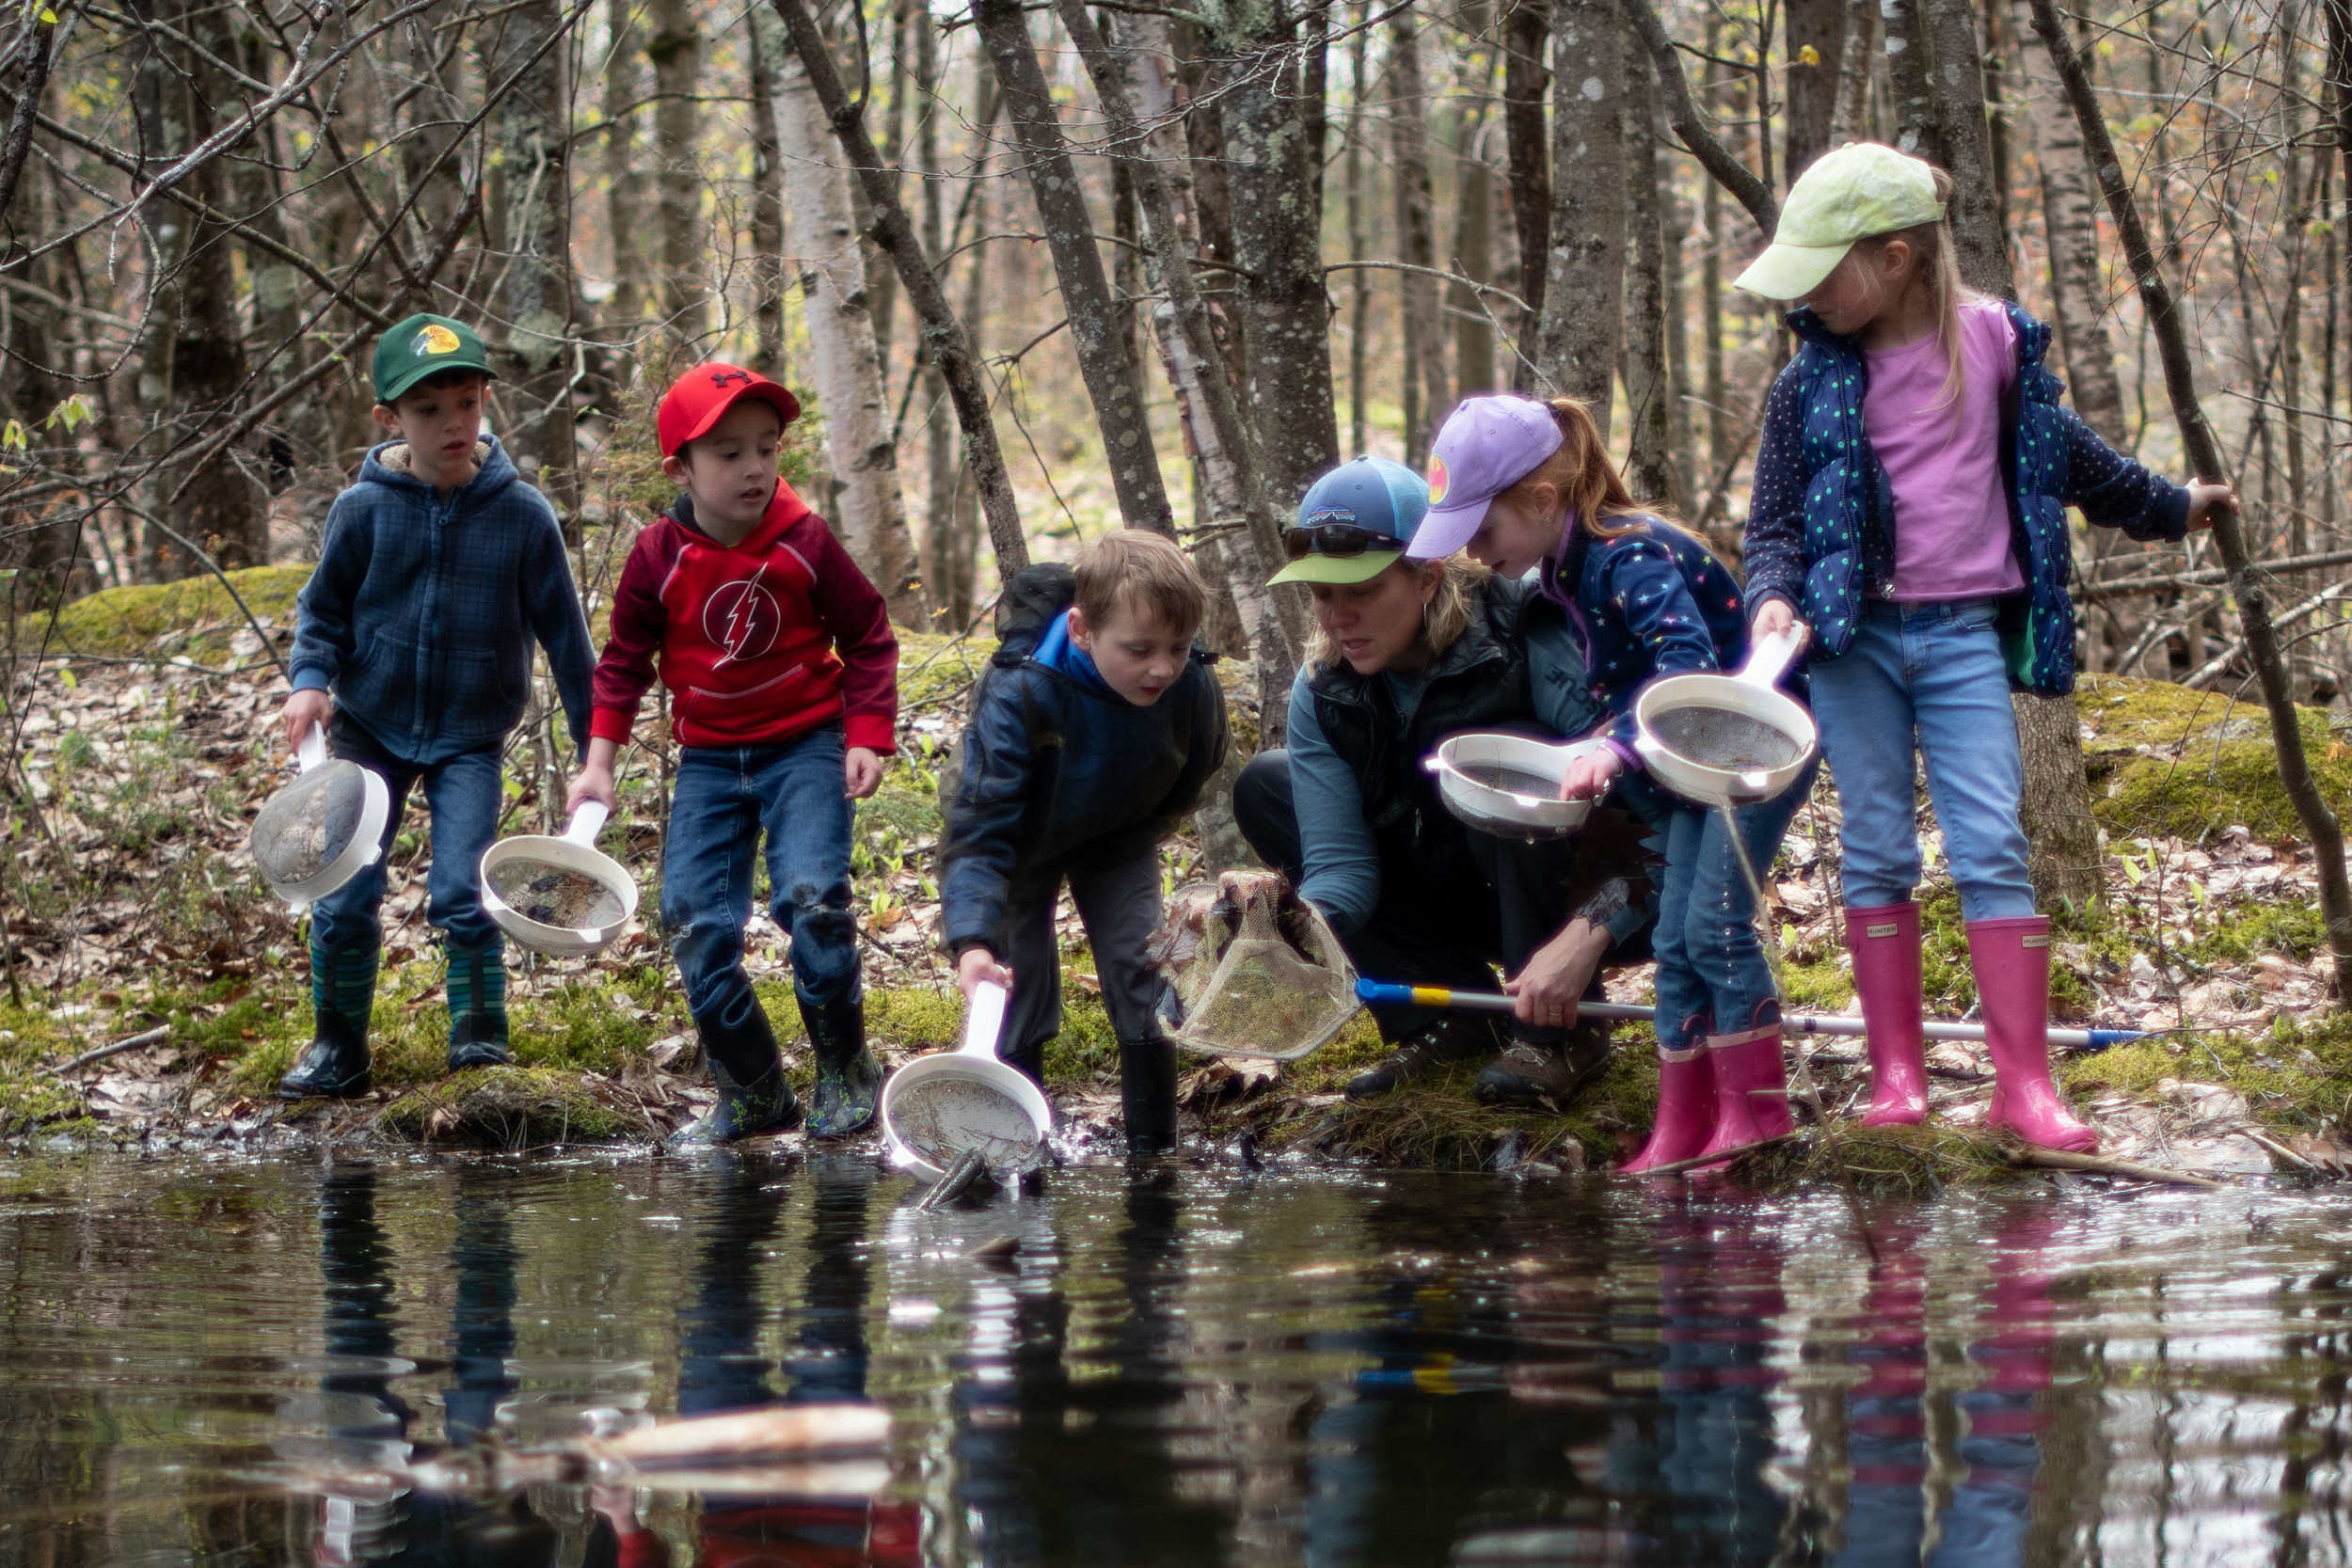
(199, 1363)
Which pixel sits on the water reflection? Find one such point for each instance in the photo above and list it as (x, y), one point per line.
(1337, 1371)
(365, 1514)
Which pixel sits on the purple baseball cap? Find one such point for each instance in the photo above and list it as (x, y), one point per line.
(1488, 444)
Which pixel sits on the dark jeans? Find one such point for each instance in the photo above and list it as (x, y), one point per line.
(463, 795)
(726, 798)
(1509, 900)
(1712, 975)
(1118, 898)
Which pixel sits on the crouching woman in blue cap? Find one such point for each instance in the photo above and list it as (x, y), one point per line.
(1405, 653)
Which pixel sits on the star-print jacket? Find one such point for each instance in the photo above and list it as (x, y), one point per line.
(759, 642)
(1820, 530)
(1652, 601)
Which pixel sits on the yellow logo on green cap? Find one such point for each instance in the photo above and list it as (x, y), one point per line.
(433, 337)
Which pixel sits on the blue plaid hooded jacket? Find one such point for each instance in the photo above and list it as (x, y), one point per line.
(420, 614)
(1820, 530)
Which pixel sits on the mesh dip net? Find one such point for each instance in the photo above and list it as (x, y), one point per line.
(1257, 975)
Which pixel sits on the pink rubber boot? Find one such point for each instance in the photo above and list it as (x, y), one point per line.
(2012, 960)
(1686, 1109)
(1884, 941)
(1751, 1089)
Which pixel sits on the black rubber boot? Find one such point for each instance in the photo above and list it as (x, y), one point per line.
(755, 1097)
(1455, 1038)
(1549, 1073)
(477, 1007)
(334, 1065)
(1147, 1095)
(849, 1080)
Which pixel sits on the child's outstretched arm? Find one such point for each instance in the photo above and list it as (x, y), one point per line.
(979, 840)
(1772, 543)
(859, 623)
(552, 604)
(323, 639)
(2115, 491)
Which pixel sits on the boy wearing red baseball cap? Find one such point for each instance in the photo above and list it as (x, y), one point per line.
(784, 698)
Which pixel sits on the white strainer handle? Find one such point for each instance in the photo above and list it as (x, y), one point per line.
(311, 750)
(587, 822)
(985, 1022)
(1768, 659)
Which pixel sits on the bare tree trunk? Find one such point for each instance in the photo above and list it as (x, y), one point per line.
(623, 179)
(531, 129)
(1473, 220)
(942, 331)
(1278, 241)
(867, 509)
(1850, 118)
(1425, 384)
(1675, 218)
(1526, 36)
(676, 49)
(1819, 27)
(2204, 455)
(1113, 381)
(1576, 345)
(1906, 44)
(882, 279)
(948, 540)
(1143, 117)
(763, 51)
(1648, 394)
(2070, 223)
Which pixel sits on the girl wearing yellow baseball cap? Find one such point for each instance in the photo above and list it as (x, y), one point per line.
(1910, 506)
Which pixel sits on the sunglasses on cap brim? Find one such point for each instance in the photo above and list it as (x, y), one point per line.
(1339, 539)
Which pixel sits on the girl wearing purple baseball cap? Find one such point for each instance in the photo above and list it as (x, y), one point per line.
(1526, 485)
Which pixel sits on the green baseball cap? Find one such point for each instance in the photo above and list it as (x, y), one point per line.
(426, 345)
(1859, 190)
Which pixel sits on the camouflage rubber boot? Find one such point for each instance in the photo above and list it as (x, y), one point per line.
(1548, 1073)
(849, 1080)
(334, 1065)
(755, 1097)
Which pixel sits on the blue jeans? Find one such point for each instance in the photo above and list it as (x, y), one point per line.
(727, 797)
(463, 795)
(1712, 976)
(1929, 677)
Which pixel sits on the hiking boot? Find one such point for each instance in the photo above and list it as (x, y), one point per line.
(334, 1065)
(755, 1097)
(849, 1080)
(1429, 1050)
(477, 1007)
(1549, 1073)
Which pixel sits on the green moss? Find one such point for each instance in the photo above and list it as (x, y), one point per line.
(30, 1037)
(1881, 1160)
(513, 1107)
(2293, 1074)
(2167, 761)
(194, 615)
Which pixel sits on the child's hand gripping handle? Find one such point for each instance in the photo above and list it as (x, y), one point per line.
(586, 823)
(1771, 655)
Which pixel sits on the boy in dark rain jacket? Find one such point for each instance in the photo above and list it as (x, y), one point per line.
(1095, 729)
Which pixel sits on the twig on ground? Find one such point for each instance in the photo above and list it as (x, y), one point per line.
(2104, 1165)
(148, 1036)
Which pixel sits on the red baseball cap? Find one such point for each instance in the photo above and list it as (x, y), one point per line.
(697, 400)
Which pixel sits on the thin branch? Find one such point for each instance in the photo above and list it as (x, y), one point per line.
(1682, 113)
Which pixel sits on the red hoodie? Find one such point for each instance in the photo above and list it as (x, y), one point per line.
(747, 636)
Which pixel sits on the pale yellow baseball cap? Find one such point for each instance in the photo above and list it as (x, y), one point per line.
(1859, 190)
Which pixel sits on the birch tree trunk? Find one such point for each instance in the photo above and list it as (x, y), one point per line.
(948, 540)
(1425, 396)
(1905, 43)
(1113, 382)
(676, 49)
(1811, 94)
(2070, 222)
(943, 333)
(1527, 34)
(867, 509)
(1474, 218)
(1358, 237)
(1956, 85)
(1144, 116)
(1278, 242)
(1576, 345)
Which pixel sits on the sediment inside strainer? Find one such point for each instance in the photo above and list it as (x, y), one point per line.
(1512, 781)
(1725, 738)
(555, 895)
(941, 1118)
(308, 825)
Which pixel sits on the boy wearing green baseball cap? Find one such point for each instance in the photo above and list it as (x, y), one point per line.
(439, 569)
